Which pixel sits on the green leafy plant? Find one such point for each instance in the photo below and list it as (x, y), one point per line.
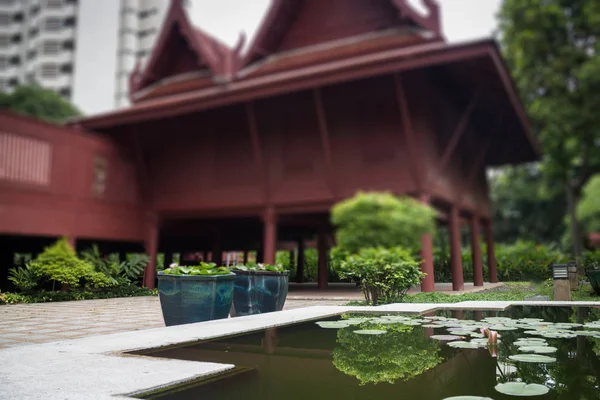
(260, 267)
(202, 269)
(25, 278)
(381, 220)
(59, 263)
(384, 275)
(77, 294)
(119, 272)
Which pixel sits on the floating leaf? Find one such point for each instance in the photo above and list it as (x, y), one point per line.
(467, 398)
(522, 389)
(538, 349)
(532, 358)
(370, 332)
(503, 328)
(445, 338)
(332, 324)
(464, 345)
(460, 332)
(431, 326)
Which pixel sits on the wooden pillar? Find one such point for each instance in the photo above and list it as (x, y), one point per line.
(245, 260)
(476, 251)
(428, 283)
(322, 260)
(270, 235)
(458, 282)
(300, 264)
(478, 315)
(491, 253)
(151, 248)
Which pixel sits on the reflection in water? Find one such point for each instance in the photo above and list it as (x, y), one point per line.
(402, 353)
(304, 361)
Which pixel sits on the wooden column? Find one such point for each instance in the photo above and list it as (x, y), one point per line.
(300, 264)
(428, 283)
(491, 254)
(151, 248)
(270, 235)
(458, 282)
(322, 260)
(476, 251)
(245, 260)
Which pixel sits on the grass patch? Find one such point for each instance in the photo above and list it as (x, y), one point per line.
(510, 291)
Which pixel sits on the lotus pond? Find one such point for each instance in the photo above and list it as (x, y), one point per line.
(524, 352)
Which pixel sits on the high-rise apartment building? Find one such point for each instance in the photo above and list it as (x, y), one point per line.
(38, 43)
(140, 23)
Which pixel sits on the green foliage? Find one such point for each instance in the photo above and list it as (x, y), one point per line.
(523, 207)
(59, 263)
(384, 275)
(400, 354)
(25, 278)
(118, 272)
(83, 294)
(588, 209)
(552, 48)
(202, 269)
(260, 267)
(37, 102)
(525, 261)
(591, 259)
(381, 220)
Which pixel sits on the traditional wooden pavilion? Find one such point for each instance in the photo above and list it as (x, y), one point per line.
(225, 149)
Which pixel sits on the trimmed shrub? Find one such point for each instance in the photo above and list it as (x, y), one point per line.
(58, 263)
(384, 275)
(381, 220)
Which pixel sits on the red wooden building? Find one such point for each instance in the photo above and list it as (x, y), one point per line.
(225, 150)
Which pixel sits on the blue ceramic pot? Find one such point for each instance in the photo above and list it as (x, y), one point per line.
(186, 299)
(258, 292)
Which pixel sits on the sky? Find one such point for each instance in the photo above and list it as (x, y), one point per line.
(96, 56)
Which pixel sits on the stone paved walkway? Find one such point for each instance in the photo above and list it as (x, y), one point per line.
(23, 324)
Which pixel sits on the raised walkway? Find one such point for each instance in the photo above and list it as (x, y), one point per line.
(23, 324)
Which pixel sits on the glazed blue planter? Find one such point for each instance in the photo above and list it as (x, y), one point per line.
(186, 299)
(259, 292)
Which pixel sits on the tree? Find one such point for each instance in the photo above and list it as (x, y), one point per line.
(373, 219)
(588, 209)
(523, 208)
(35, 101)
(552, 48)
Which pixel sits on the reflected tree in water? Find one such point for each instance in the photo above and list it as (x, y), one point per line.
(402, 353)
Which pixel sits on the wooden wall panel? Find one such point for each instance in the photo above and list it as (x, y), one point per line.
(67, 205)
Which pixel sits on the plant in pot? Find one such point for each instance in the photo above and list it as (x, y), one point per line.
(259, 288)
(195, 293)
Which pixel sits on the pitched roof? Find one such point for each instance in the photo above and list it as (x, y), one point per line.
(282, 13)
(200, 50)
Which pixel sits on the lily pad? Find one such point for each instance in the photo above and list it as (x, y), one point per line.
(445, 338)
(460, 332)
(522, 389)
(464, 345)
(503, 328)
(532, 358)
(370, 332)
(431, 326)
(332, 324)
(558, 335)
(538, 349)
(467, 398)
